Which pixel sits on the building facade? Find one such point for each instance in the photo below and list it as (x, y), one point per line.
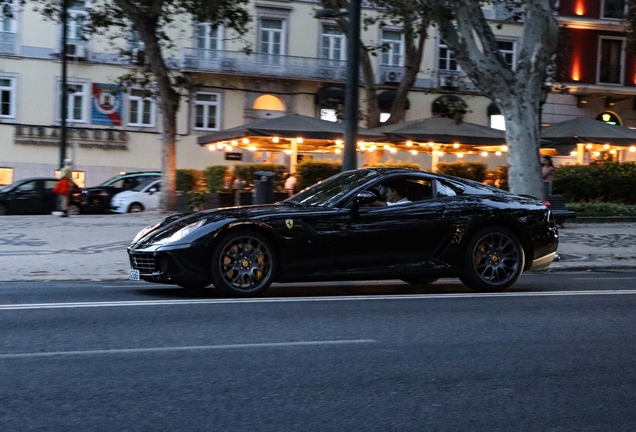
(296, 60)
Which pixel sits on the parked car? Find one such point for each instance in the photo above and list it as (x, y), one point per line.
(330, 231)
(144, 196)
(97, 199)
(34, 196)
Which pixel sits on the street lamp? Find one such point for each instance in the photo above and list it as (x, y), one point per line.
(349, 156)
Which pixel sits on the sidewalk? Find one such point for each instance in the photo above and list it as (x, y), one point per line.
(93, 247)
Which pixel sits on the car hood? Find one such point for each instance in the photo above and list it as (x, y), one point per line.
(212, 220)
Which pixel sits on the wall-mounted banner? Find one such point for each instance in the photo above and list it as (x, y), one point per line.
(106, 108)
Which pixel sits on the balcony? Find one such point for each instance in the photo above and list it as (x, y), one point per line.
(7, 43)
(455, 80)
(254, 64)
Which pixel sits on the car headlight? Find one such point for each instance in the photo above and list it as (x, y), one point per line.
(184, 231)
(145, 231)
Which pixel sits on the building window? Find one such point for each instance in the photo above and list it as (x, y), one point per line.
(611, 60)
(206, 111)
(7, 97)
(446, 58)
(614, 9)
(272, 32)
(333, 43)
(8, 21)
(207, 37)
(392, 48)
(76, 101)
(141, 109)
(507, 50)
(77, 15)
(6, 176)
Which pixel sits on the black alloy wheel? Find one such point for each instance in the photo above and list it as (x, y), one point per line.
(244, 264)
(494, 260)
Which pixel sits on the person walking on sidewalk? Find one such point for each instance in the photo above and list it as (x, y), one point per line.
(547, 174)
(63, 186)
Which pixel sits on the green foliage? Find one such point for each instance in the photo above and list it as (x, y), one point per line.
(214, 177)
(603, 182)
(399, 164)
(477, 171)
(602, 209)
(188, 179)
(245, 172)
(311, 172)
(197, 197)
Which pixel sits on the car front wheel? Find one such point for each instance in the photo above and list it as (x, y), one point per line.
(135, 208)
(243, 264)
(493, 261)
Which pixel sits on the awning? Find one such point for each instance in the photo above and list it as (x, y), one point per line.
(330, 96)
(386, 98)
(447, 104)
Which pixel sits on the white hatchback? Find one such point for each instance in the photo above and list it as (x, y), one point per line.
(144, 196)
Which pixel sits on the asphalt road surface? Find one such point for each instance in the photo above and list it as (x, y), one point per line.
(556, 353)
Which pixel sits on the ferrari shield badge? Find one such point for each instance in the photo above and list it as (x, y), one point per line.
(289, 223)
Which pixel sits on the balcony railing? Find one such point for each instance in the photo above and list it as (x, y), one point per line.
(7, 43)
(263, 64)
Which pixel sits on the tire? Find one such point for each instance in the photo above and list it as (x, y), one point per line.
(243, 264)
(420, 281)
(3, 210)
(135, 208)
(493, 261)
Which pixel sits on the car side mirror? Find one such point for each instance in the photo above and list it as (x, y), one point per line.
(151, 191)
(366, 197)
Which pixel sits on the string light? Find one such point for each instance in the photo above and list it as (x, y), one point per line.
(613, 152)
(484, 154)
(338, 142)
(409, 143)
(275, 139)
(413, 152)
(251, 148)
(460, 155)
(212, 147)
(234, 143)
(219, 145)
(632, 149)
(393, 150)
(597, 154)
(504, 148)
(498, 153)
(574, 153)
(288, 151)
(606, 146)
(455, 145)
(246, 140)
(588, 146)
(337, 151)
(228, 147)
(299, 140)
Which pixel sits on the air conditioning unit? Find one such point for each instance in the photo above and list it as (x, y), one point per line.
(76, 51)
(393, 76)
(228, 64)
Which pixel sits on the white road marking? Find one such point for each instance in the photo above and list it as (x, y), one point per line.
(26, 306)
(186, 348)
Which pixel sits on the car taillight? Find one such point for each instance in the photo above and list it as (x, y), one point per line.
(547, 203)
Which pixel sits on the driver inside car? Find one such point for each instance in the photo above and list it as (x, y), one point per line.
(396, 192)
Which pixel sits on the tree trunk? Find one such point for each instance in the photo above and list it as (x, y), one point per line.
(169, 162)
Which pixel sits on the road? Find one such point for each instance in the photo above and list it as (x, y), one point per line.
(554, 354)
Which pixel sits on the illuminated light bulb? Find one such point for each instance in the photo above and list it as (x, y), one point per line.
(413, 152)
(504, 148)
(234, 143)
(251, 148)
(574, 153)
(387, 147)
(246, 140)
(606, 146)
(361, 143)
(228, 147)
(606, 117)
(431, 144)
(440, 153)
(589, 146)
(372, 148)
(632, 149)
(484, 154)
(339, 142)
(299, 140)
(455, 145)
(288, 151)
(409, 143)
(613, 152)
(393, 150)
(498, 153)
(460, 155)
(275, 139)
(212, 147)
(337, 151)
(219, 146)
(597, 154)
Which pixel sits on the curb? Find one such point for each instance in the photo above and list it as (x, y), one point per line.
(603, 219)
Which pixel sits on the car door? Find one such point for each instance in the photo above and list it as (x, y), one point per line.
(152, 196)
(27, 198)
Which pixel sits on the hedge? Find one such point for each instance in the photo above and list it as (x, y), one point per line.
(604, 182)
(477, 171)
(189, 179)
(312, 171)
(215, 176)
(245, 172)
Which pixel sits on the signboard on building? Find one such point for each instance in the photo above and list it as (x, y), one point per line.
(106, 106)
(236, 156)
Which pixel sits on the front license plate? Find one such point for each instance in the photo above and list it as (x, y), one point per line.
(133, 274)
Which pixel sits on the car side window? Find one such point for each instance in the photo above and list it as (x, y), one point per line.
(419, 189)
(27, 187)
(49, 185)
(447, 189)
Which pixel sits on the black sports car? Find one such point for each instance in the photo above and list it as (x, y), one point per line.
(333, 231)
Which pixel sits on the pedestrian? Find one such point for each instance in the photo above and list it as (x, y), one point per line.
(63, 187)
(547, 174)
(290, 183)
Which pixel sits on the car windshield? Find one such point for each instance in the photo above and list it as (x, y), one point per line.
(328, 192)
(142, 185)
(5, 188)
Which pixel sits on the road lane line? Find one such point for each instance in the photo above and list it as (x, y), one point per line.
(77, 305)
(187, 348)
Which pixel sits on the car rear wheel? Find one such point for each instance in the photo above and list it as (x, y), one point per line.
(243, 264)
(420, 281)
(135, 208)
(494, 260)
(73, 210)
